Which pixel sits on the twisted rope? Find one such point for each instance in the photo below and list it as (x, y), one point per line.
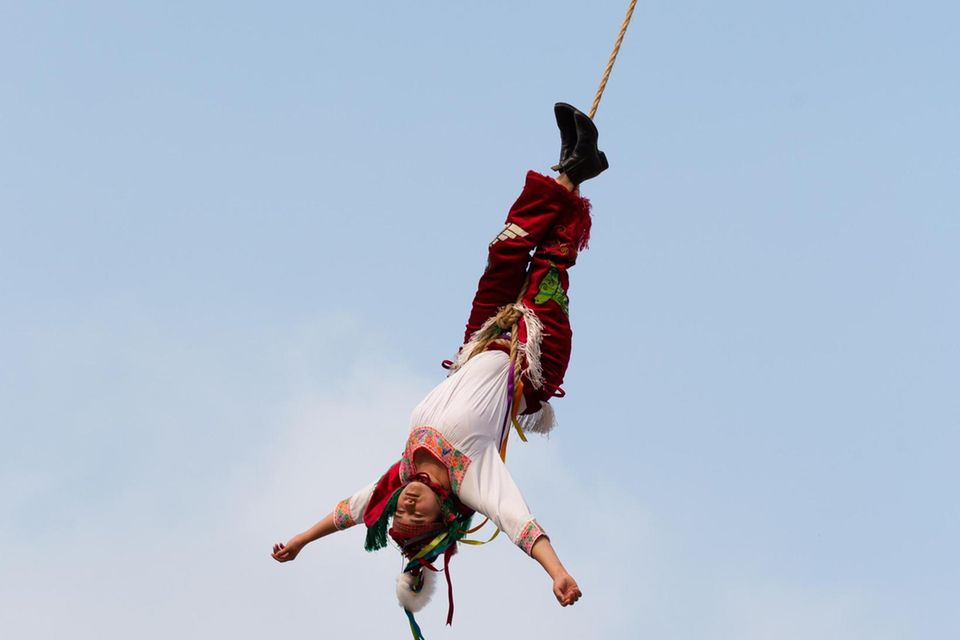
(508, 317)
(514, 355)
(503, 319)
(613, 58)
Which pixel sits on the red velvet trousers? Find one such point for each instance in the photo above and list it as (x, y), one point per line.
(554, 224)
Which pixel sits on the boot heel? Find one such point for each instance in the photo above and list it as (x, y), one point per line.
(566, 122)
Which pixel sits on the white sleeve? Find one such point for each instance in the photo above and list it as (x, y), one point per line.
(349, 511)
(488, 488)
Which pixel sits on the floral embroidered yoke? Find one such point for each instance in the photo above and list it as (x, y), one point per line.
(461, 423)
(440, 448)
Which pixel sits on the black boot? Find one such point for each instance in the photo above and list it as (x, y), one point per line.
(585, 161)
(568, 131)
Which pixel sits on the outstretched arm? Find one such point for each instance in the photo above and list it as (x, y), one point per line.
(564, 586)
(489, 488)
(346, 514)
(286, 552)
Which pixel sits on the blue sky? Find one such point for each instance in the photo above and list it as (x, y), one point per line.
(236, 240)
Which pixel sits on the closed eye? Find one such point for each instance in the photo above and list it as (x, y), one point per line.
(413, 516)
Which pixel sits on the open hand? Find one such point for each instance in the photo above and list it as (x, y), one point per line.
(566, 589)
(287, 552)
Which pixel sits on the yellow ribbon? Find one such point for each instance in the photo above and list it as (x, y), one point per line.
(480, 542)
(433, 544)
(515, 409)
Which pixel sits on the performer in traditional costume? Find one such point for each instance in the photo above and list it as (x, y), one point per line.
(451, 465)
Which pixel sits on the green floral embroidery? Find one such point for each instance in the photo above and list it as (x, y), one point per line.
(431, 440)
(529, 536)
(550, 289)
(342, 518)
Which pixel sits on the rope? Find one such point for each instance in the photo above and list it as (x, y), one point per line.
(613, 58)
(516, 360)
(509, 318)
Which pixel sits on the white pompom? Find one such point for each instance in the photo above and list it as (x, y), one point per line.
(411, 600)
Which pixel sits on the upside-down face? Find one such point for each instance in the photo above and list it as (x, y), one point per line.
(418, 506)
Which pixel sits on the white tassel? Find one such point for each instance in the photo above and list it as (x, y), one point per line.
(414, 601)
(542, 422)
(531, 348)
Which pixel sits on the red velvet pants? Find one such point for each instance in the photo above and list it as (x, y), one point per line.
(554, 224)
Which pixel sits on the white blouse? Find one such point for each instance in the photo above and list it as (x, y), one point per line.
(461, 422)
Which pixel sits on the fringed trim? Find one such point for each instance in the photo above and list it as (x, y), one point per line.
(530, 349)
(586, 222)
(377, 534)
(542, 422)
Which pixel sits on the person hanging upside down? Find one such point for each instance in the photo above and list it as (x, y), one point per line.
(451, 465)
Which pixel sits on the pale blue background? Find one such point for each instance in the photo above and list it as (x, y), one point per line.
(237, 238)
